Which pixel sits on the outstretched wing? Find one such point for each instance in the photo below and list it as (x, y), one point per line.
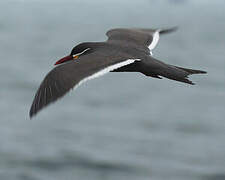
(143, 37)
(69, 75)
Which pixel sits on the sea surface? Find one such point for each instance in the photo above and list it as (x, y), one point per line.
(123, 126)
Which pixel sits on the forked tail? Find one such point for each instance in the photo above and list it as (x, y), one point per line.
(158, 69)
(181, 74)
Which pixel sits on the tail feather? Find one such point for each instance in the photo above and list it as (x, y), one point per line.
(187, 73)
(157, 69)
(192, 71)
(171, 72)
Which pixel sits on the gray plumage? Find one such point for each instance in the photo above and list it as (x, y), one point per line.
(122, 44)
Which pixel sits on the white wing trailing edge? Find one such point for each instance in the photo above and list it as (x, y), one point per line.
(106, 70)
(155, 41)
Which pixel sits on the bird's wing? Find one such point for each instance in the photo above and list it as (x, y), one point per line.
(69, 75)
(143, 37)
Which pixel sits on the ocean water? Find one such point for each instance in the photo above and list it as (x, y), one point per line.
(123, 125)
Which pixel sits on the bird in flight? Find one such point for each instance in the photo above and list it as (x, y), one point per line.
(126, 50)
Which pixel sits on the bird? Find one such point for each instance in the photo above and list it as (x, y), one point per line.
(125, 50)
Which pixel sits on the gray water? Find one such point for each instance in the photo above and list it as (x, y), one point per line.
(123, 125)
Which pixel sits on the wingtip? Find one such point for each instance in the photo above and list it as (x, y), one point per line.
(31, 114)
(168, 30)
(203, 72)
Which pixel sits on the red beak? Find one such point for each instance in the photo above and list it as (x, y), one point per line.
(67, 58)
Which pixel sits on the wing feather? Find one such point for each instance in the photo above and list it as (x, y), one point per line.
(66, 76)
(142, 37)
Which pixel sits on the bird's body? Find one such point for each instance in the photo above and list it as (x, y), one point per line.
(126, 50)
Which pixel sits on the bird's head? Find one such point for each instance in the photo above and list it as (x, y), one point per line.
(76, 52)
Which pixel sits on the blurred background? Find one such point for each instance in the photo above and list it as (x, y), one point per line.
(123, 125)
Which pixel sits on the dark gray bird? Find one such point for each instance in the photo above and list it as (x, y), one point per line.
(126, 50)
